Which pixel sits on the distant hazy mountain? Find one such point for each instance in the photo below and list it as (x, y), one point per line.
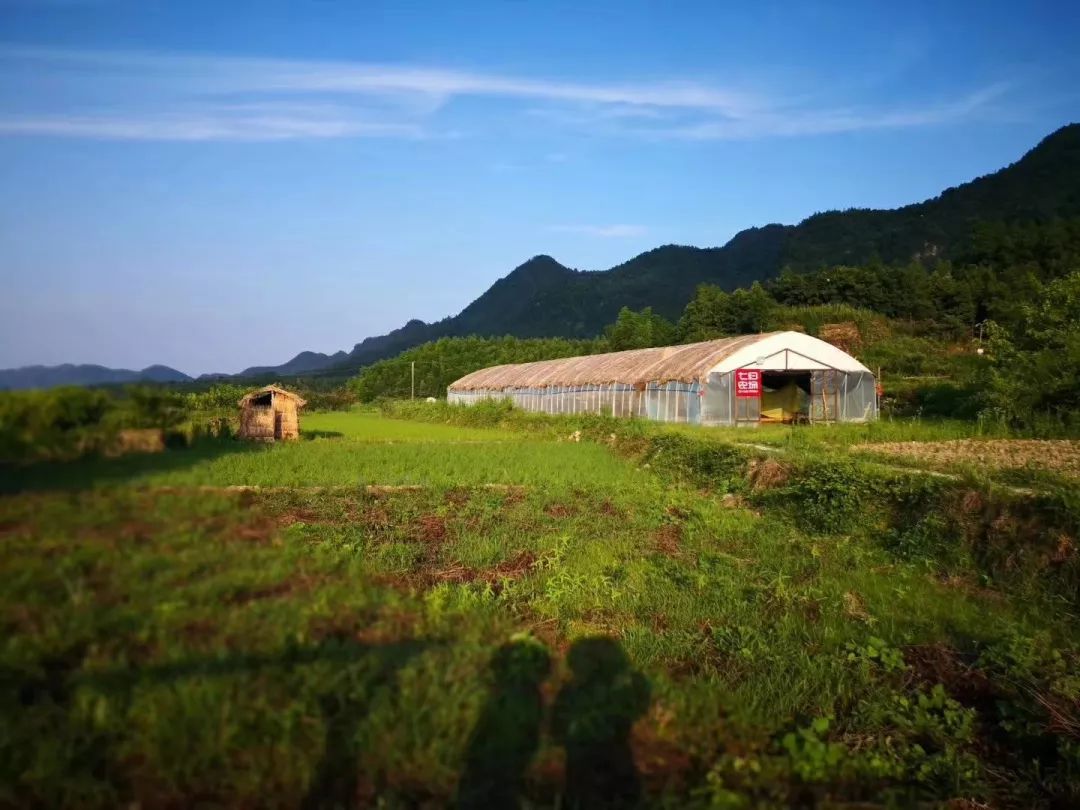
(67, 374)
(303, 362)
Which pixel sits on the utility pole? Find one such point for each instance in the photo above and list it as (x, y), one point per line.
(412, 373)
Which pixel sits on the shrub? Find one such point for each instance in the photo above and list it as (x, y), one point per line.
(60, 422)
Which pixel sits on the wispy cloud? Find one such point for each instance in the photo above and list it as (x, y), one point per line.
(134, 95)
(824, 122)
(214, 124)
(604, 231)
(244, 74)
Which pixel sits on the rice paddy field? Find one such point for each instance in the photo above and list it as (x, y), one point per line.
(400, 613)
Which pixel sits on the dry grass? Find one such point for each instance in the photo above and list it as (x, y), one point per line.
(1059, 456)
(138, 440)
(767, 473)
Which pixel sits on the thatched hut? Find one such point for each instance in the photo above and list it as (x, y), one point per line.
(269, 414)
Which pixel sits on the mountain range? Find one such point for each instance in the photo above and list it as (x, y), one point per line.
(68, 374)
(543, 298)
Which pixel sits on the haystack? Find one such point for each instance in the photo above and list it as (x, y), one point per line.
(845, 336)
(270, 414)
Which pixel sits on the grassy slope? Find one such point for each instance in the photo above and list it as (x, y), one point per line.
(261, 648)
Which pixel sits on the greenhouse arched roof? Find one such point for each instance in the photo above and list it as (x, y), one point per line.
(686, 363)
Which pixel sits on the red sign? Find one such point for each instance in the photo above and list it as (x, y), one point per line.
(747, 383)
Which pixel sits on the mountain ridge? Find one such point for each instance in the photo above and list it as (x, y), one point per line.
(543, 298)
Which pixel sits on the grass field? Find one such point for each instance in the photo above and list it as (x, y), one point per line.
(586, 633)
(370, 426)
(346, 449)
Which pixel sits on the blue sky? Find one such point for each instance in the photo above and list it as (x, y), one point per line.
(177, 177)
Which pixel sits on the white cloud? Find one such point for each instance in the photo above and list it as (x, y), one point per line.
(136, 95)
(824, 122)
(244, 74)
(210, 124)
(604, 231)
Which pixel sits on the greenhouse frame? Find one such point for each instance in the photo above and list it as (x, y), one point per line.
(744, 380)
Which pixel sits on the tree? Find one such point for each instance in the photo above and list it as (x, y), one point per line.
(713, 313)
(155, 407)
(751, 309)
(639, 330)
(707, 316)
(1035, 372)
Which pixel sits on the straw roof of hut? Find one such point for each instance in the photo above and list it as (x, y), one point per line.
(277, 391)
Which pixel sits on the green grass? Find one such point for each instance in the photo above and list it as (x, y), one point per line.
(298, 647)
(339, 462)
(369, 426)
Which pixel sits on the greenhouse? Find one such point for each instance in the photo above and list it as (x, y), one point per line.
(787, 377)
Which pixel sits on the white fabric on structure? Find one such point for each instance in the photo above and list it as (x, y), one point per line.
(790, 351)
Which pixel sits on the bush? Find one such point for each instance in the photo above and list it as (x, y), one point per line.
(58, 423)
(337, 399)
(827, 494)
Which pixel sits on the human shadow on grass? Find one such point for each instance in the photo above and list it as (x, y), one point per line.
(507, 733)
(358, 672)
(92, 471)
(591, 718)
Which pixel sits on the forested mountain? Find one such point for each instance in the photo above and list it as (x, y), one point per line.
(1043, 185)
(543, 298)
(68, 374)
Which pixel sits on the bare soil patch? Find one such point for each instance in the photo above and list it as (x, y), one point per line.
(259, 533)
(513, 568)
(559, 511)
(430, 529)
(273, 590)
(668, 538)
(932, 664)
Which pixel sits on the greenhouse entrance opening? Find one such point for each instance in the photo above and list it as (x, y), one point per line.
(785, 397)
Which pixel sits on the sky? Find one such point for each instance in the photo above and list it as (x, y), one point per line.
(215, 185)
